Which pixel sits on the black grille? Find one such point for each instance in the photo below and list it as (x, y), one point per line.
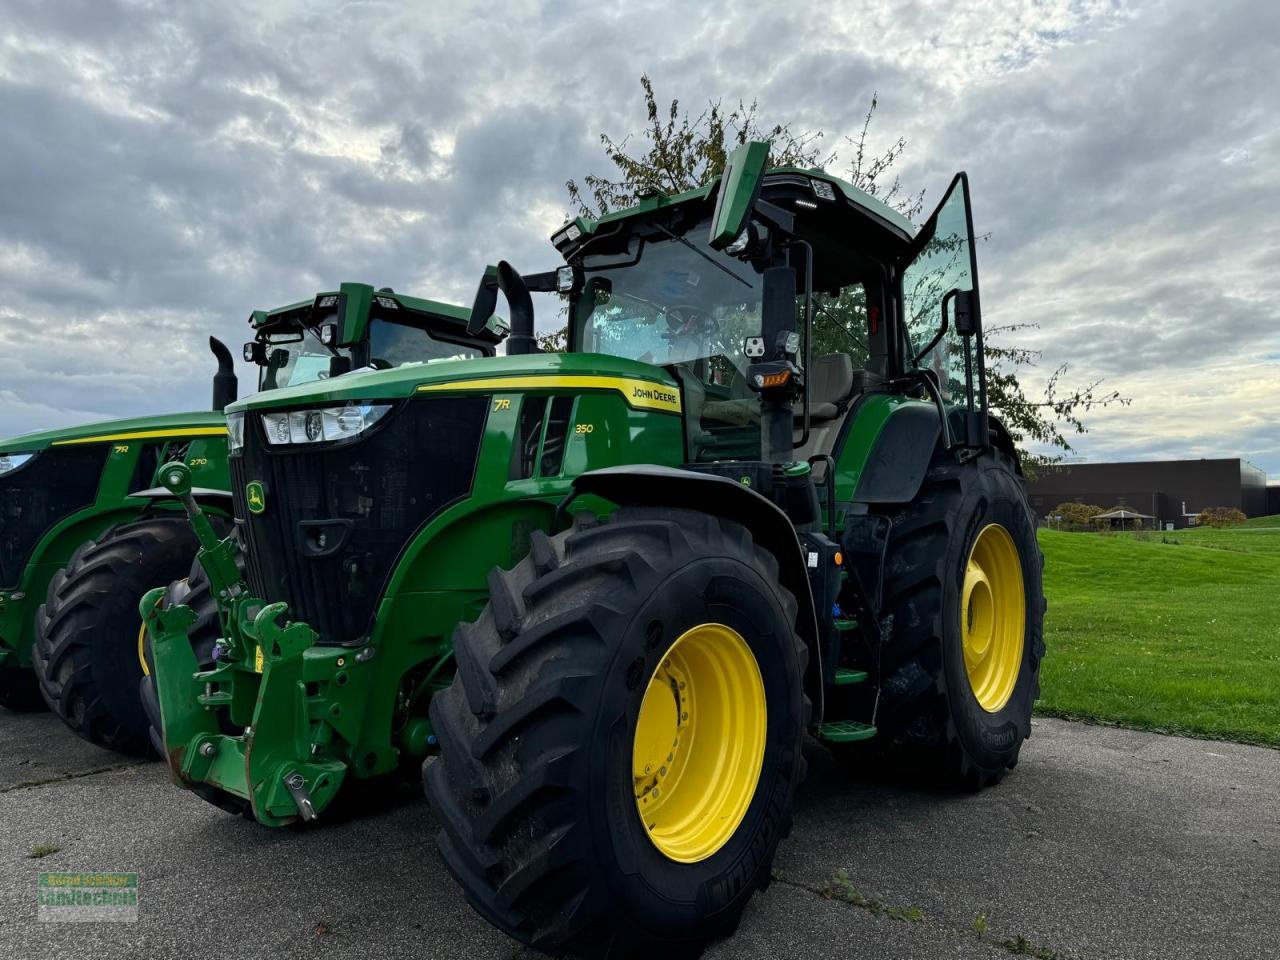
(54, 484)
(337, 516)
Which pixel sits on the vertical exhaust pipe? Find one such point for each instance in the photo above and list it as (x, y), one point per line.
(225, 385)
(521, 339)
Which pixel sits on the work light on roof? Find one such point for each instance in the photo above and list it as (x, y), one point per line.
(823, 190)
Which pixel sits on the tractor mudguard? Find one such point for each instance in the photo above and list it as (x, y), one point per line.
(898, 462)
(649, 485)
(203, 495)
(1002, 440)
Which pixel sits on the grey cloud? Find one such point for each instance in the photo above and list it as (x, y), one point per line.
(210, 160)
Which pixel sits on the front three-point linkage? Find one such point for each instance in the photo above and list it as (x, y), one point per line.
(273, 763)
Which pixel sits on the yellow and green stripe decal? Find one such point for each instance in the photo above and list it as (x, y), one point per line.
(146, 435)
(641, 394)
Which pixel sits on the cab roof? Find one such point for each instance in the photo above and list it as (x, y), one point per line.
(570, 236)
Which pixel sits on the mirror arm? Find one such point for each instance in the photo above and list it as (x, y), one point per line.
(775, 216)
(942, 330)
(541, 282)
(808, 334)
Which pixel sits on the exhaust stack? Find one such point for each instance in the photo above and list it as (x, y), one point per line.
(225, 385)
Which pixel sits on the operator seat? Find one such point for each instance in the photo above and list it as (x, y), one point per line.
(832, 385)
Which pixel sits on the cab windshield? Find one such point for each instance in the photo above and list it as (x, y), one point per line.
(688, 308)
(392, 344)
(294, 356)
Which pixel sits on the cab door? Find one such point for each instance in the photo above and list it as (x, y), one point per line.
(941, 315)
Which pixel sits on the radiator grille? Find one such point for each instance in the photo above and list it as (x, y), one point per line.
(53, 484)
(337, 516)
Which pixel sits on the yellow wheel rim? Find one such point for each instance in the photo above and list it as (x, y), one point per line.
(699, 743)
(142, 649)
(993, 617)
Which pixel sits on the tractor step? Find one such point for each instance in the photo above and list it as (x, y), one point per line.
(846, 731)
(845, 676)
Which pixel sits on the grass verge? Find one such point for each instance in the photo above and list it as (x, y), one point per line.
(1176, 632)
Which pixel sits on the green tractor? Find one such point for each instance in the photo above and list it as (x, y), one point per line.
(605, 594)
(85, 526)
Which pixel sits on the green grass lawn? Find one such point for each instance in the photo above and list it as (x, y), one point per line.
(1265, 522)
(1177, 632)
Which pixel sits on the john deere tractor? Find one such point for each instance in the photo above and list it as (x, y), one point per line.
(84, 523)
(606, 593)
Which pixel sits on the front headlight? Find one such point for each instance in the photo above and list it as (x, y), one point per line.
(235, 432)
(10, 462)
(327, 423)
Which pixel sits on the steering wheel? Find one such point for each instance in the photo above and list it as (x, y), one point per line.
(687, 321)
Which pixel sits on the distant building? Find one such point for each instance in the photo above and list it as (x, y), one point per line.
(1273, 499)
(1172, 491)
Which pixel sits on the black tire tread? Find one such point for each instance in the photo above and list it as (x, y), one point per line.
(505, 828)
(916, 729)
(69, 621)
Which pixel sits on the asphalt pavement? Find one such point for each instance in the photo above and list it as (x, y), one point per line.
(1104, 843)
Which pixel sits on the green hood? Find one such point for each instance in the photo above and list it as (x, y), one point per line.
(201, 423)
(559, 370)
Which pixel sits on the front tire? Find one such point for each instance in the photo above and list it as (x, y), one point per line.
(603, 642)
(87, 653)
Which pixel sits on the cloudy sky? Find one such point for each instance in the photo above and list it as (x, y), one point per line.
(166, 168)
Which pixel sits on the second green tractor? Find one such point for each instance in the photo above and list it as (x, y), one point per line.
(601, 597)
(86, 529)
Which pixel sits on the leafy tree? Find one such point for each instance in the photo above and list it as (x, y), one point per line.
(679, 151)
(1073, 515)
(1220, 517)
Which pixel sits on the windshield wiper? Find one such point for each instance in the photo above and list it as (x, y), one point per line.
(704, 255)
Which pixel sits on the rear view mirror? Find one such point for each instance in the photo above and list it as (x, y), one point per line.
(739, 190)
(966, 316)
(255, 352)
(485, 303)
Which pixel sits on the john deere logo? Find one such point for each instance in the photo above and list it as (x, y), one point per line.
(256, 495)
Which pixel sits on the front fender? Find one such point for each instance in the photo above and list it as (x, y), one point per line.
(648, 485)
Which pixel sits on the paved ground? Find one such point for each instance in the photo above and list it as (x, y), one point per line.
(1104, 843)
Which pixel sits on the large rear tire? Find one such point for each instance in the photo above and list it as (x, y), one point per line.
(87, 653)
(960, 668)
(563, 816)
(20, 690)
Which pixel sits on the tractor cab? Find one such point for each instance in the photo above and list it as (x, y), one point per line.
(359, 327)
(777, 299)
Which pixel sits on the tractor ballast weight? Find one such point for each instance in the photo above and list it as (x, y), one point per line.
(631, 575)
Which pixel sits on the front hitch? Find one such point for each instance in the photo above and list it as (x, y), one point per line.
(268, 680)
